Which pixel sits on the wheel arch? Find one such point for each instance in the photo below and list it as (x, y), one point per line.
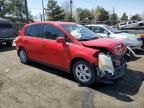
(20, 47)
(74, 60)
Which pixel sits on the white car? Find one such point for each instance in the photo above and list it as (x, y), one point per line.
(129, 25)
(133, 41)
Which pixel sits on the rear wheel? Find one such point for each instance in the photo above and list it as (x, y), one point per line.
(9, 44)
(23, 56)
(84, 73)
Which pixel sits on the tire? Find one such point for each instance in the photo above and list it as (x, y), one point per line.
(9, 44)
(84, 73)
(23, 56)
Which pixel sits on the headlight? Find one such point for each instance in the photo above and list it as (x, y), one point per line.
(119, 49)
(131, 39)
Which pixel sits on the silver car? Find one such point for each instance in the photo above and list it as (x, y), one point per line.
(133, 41)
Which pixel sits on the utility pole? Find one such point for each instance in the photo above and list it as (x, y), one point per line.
(43, 10)
(143, 15)
(27, 14)
(41, 17)
(71, 9)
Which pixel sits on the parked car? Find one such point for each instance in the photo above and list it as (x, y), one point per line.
(140, 25)
(129, 25)
(73, 48)
(133, 41)
(7, 34)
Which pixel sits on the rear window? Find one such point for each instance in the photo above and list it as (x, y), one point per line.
(34, 30)
(5, 25)
(27, 30)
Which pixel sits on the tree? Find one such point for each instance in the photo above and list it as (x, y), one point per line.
(114, 17)
(101, 14)
(84, 15)
(124, 17)
(13, 9)
(2, 10)
(136, 17)
(54, 11)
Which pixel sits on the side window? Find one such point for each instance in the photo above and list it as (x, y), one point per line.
(5, 25)
(27, 31)
(36, 30)
(51, 32)
(129, 22)
(100, 30)
(90, 27)
(96, 30)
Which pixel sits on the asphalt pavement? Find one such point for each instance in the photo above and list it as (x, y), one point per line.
(38, 86)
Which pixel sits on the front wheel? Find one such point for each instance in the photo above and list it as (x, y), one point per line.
(84, 73)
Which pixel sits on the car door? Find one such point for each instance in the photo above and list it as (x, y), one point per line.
(101, 31)
(54, 53)
(32, 41)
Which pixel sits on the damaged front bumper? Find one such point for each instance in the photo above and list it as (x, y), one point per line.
(111, 68)
(119, 71)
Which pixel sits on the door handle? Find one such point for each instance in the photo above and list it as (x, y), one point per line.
(43, 44)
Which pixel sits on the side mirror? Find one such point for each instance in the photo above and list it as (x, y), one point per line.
(108, 34)
(61, 40)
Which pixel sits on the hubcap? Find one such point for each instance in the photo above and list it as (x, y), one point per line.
(83, 73)
(23, 57)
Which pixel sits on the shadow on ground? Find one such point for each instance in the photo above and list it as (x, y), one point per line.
(4, 48)
(122, 89)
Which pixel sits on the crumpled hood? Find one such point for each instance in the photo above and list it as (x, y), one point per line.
(107, 43)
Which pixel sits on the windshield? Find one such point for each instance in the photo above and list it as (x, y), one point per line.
(113, 30)
(5, 25)
(80, 32)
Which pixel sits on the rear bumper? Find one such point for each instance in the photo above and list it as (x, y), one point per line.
(4, 39)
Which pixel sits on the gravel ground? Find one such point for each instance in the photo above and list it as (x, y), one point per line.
(38, 86)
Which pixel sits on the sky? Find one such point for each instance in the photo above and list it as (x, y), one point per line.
(131, 7)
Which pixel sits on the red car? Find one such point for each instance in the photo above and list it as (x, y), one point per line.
(73, 48)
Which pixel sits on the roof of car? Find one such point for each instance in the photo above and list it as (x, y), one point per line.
(101, 25)
(52, 22)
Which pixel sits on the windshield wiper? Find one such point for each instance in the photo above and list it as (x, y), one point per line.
(93, 38)
(87, 39)
(83, 39)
